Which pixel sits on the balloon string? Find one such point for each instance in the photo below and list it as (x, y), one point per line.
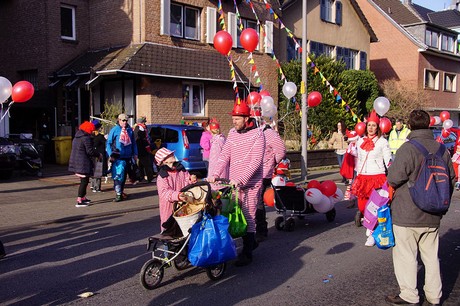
(7, 111)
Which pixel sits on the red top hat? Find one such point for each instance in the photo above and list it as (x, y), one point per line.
(241, 109)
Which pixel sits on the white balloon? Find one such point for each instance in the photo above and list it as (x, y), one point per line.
(447, 124)
(269, 112)
(289, 89)
(5, 89)
(313, 196)
(381, 105)
(337, 196)
(324, 205)
(437, 119)
(278, 181)
(266, 102)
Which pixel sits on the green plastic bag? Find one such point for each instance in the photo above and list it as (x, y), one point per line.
(237, 221)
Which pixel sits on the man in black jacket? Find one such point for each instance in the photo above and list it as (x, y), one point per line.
(144, 150)
(415, 231)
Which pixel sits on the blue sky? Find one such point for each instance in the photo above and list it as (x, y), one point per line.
(435, 5)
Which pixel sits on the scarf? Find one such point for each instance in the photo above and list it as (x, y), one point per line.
(124, 137)
(368, 144)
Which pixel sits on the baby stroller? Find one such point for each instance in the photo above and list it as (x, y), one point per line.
(170, 248)
(290, 201)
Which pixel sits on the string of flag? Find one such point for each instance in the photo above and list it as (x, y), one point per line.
(332, 90)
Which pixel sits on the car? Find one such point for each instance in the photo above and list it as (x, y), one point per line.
(7, 158)
(448, 141)
(184, 140)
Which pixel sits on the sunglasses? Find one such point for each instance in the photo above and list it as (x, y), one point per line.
(124, 120)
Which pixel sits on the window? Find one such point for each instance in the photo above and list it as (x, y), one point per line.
(184, 22)
(348, 56)
(450, 82)
(338, 13)
(326, 10)
(192, 99)
(247, 24)
(447, 43)
(431, 80)
(30, 76)
(316, 48)
(68, 22)
(328, 50)
(292, 52)
(431, 38)
(362, 60)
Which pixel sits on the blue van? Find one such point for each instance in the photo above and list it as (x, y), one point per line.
(184, 140)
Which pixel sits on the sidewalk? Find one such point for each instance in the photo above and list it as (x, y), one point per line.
(28, 201)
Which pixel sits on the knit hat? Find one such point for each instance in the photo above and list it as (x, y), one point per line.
(87, 127)
(122, 117)
(97, 124)
(141, 120)
(373, 117)
(241, 109)
(162, 154)
(352, 135)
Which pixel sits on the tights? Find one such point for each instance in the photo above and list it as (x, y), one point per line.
(84, 181)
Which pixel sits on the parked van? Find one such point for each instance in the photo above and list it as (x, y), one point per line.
(184, 140)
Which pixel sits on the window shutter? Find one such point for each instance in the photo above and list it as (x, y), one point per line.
(323, 10)
(268, 37)
(362, 60)
(338, 13)
(211, 22)
(165, 17)
(232, 28)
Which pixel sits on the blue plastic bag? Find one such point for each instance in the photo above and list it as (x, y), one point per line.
(383, 234)
(210, 242)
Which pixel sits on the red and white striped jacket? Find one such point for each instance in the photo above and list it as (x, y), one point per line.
(275, 151)
(244, 153)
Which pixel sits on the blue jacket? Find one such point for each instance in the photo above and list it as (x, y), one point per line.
(113, 141)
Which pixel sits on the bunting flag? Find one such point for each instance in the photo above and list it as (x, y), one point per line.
(238, 16)
(221, 15)
(298, 47)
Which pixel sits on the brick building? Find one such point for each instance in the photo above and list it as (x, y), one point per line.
(415, 50)
(154, 58)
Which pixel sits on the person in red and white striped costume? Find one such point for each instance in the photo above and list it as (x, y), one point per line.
(243, 152)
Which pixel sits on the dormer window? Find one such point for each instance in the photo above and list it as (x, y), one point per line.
(431, 39)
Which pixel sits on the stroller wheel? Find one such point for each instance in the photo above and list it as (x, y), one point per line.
(279, 223)
(330, 215)
(290, 225)
(152, 274)
(216, 272)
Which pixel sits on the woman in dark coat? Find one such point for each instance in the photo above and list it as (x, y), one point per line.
(81, 162)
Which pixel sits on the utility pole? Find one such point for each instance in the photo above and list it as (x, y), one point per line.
(303, 88)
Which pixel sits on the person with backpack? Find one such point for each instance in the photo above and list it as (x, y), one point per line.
(416, 230)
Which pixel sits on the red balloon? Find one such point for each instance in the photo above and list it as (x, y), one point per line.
(445, 133)
(223, 42)
(264, 93)
(432, 121)
(249, 39)
(314, 99)
(328, 188)
(444, 115)
(385, 125)
(313, 184)
(22, 91)
(254, 98)
(269, 197)
(360, 128)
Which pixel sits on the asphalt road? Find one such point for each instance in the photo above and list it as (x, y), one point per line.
(320, 263)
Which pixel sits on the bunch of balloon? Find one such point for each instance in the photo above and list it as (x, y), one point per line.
(323, 195)
(268, 106)
(21, 92)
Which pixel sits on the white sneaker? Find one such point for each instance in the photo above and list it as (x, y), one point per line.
(370, 241)
(368, 232)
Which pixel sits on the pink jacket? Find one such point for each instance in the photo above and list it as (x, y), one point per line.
(205, 143)
(217, 143)
(243, 152)
(168, 191)
(275, 151)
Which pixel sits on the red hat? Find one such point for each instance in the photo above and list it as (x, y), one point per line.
(241, 109)
(162, 154)
(374, 117)
(87, 127)
(352, 135)
(214, 124)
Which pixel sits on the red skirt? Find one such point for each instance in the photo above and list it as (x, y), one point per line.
(364, 184)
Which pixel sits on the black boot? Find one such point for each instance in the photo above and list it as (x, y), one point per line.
(249, 244)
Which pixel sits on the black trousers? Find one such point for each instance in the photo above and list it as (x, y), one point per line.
(84, 181)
